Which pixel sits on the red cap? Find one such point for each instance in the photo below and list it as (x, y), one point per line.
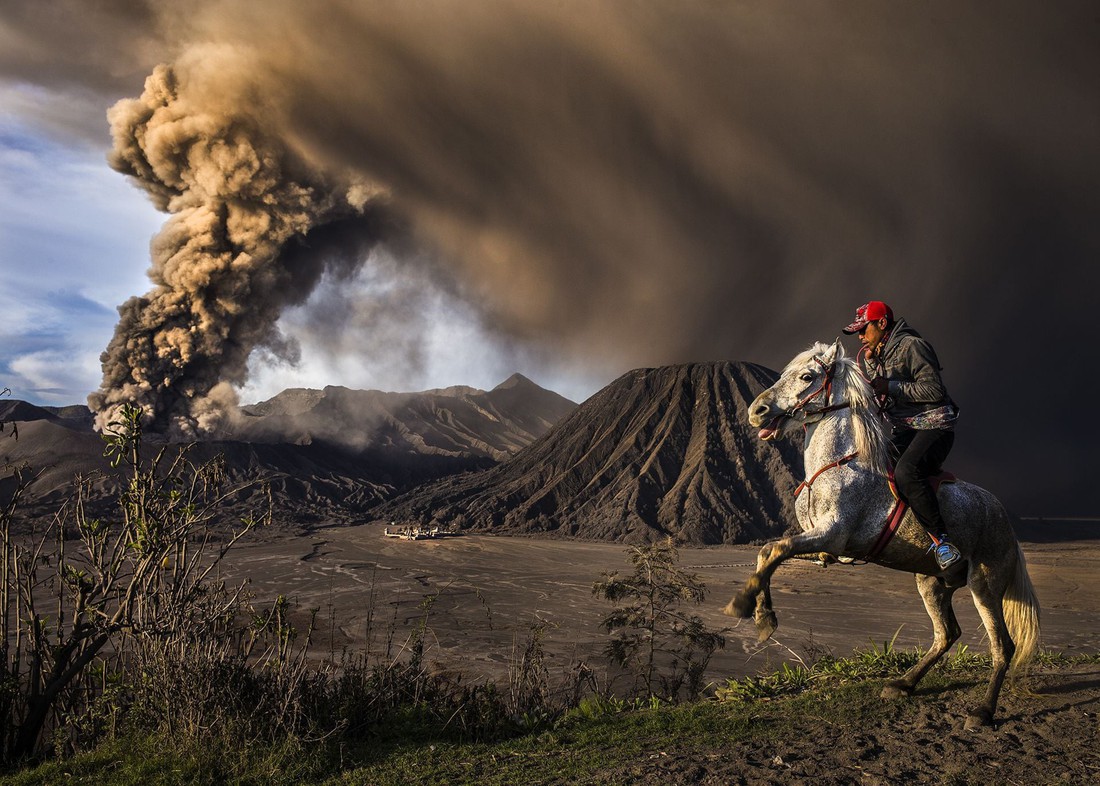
(869, 312)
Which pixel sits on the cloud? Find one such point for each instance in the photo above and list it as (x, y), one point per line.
(50, 375)
(51, 345)
(62, 62)
(63, 212)
(358, 330)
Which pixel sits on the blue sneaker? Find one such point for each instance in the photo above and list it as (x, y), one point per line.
(946, 555)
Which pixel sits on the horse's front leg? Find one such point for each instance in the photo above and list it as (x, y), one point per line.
(754, 600)
(763, 616)
(758, 587)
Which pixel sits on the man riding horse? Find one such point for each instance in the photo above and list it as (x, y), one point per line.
(827, 397)
(905, 374)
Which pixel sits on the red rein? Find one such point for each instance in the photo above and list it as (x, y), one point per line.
(807, 483)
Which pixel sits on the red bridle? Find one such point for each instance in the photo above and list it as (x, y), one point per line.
(825, 388)
(881, 400)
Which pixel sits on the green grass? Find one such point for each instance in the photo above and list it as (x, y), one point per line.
(872, 663)
(599, 738)
(578, 749)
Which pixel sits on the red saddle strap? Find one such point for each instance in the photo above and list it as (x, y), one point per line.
(893, 521)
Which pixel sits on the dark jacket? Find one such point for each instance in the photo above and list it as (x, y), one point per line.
(910, 365)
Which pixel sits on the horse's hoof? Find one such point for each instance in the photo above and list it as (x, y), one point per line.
(896, 690)
(766, 624)
(979, 719)
(740, 607)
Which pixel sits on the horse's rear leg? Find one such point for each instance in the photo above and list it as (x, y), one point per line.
(987, 591)
(946, 631)
(764, 617)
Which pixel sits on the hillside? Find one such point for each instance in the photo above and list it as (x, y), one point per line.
(329, 454)
(664, 451)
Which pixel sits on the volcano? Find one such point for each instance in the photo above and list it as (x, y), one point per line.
(660, 452)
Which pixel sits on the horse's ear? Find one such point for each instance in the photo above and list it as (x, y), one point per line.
(833, 353)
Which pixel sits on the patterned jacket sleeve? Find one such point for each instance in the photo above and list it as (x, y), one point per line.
(919, 380)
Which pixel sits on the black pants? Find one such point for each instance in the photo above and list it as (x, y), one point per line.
(921, 454)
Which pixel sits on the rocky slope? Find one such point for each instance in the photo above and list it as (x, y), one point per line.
(659, 452)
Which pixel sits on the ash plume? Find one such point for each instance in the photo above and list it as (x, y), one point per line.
(251, 231)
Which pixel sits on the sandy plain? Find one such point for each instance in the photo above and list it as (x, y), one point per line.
(490, 591)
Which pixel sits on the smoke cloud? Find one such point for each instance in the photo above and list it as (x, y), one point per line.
(626, 183)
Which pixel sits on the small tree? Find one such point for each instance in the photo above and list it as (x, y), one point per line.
(665, 649)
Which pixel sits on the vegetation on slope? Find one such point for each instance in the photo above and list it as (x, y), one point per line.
(825, 726)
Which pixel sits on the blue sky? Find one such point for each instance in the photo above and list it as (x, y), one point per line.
(74, 239)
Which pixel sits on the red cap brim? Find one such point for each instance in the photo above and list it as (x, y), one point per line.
(855, 327)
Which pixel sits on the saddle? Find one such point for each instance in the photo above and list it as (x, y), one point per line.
(893, 521)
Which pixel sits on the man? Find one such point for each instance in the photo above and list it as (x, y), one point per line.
(905, 375)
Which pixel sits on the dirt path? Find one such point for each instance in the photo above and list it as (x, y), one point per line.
(1049, 738)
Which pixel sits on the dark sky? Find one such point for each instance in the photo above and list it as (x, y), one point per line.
(642, 183)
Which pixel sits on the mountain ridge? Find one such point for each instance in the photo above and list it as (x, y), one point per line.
(456, 421)
(659, 452)
(325, 454)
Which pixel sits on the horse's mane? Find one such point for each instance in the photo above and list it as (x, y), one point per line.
(869, 428)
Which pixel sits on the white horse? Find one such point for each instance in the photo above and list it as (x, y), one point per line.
(846, 500)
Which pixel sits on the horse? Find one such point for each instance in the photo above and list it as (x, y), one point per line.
(846, 500)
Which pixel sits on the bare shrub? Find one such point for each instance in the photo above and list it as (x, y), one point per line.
(82, 590)
(665, 649)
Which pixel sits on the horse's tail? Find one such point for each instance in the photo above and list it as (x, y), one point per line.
(1021, 610)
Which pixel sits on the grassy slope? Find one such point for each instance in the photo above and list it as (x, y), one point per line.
(662, 744)
(579, 750)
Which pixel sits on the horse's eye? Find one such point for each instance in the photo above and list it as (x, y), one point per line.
(807, 377)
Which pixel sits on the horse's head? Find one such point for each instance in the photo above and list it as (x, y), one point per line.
(781, 409)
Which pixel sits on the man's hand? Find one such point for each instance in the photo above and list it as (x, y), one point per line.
(881, 386)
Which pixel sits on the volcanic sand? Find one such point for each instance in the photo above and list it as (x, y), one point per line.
(487, 593)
